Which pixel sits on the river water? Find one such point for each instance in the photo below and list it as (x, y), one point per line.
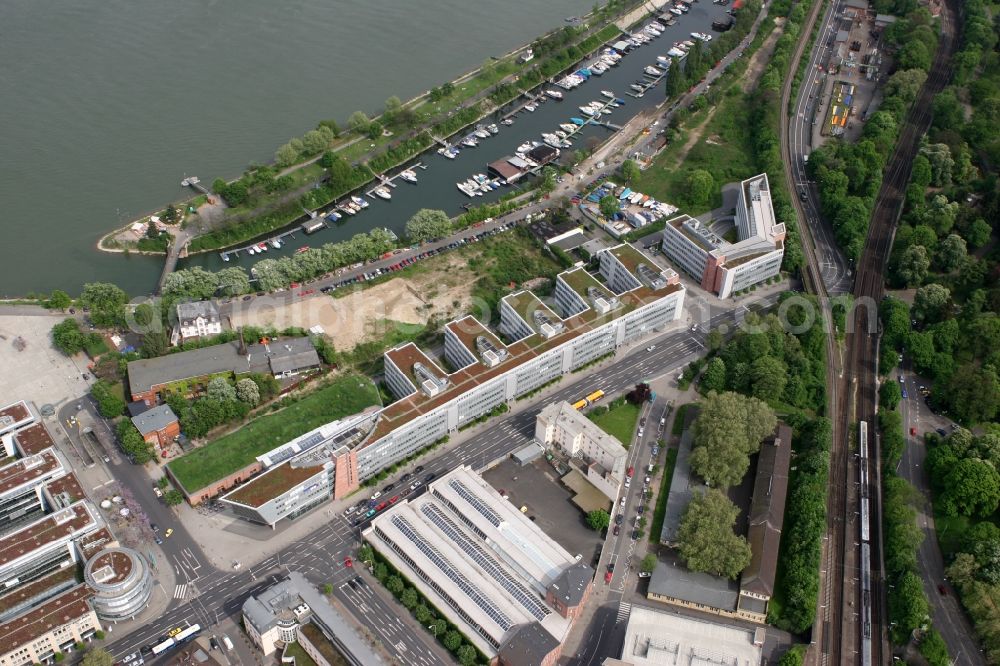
(109, 103)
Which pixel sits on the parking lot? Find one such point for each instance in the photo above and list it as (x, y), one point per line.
(549, 503)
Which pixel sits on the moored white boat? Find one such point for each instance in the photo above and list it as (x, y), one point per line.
(409, 175)
(554, 94)
(382, 193)
(358, 201)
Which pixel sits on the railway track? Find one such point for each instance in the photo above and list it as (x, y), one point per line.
(841, 634)
(869, 288)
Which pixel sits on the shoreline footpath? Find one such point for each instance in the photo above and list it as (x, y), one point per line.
(630, 17)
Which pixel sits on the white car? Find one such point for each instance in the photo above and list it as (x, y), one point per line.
(650, 348)
(376, 494)
(157, 491)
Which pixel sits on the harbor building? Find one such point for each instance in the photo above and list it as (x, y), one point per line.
(564, 428)
(495, 574)
(199, 319)
(121, 581)
(292, 610)
(628, 299)
(723, 267)
(37, 634)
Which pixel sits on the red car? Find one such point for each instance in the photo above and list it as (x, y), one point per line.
(381, 505)
(913, 431)
(607, 577)
(395, 498)
(630, 472)
(348, 562)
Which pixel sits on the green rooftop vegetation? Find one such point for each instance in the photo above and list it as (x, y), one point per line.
(345, 395)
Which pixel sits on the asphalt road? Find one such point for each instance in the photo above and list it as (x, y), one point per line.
(834, 267)
(946, 612)
(217, 594)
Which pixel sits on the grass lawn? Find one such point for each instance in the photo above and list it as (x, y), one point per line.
(678, 426)
(301, 658)
(345, 395)
(619, 422)
(660, 510)
(722, 149)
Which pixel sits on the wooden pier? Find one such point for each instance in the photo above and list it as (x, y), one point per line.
(195, 183)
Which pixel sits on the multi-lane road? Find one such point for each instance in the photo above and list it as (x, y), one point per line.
(216, 594)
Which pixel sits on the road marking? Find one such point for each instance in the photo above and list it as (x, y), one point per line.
(623, 612)
(180, 591)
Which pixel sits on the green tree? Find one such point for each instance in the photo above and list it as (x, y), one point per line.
(706, 538)
(394, 584)
(315, 141)
(173, 497)
(908, 607)
(930, 302)
(358, 121)
(933, 648)
(609, 206)
(423, 614)
(439, 627)
(700, 186)
(630, 171)
(58, 300)
(951, 253)
(970, 488)
(109, 404)
(714, 378)
(598, 519)
(374, 130)
(728, 429)
(889, 395)
(106, 303)
(452, 640)
(380, 571)
(409, 598)
(144, 315)
(715, 339)
(67, 337)
(978, 233)
(97, 657)
(247, 391)
(973, 393)
(286, 155)
(913, 265)
(220, 389)
(466, 655)
(427, 224)
(648, 563)
(155, 343)
(793, 657)
(768, 376)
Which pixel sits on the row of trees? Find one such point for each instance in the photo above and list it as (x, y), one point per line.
(222, 402)
(69, 339)
(423, 611)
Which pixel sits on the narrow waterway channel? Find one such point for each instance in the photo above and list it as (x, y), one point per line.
(437, 183)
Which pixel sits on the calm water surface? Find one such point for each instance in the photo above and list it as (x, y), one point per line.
(107, 104)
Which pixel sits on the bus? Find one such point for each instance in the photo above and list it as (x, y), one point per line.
(176, 637)
(594, 397)
(579, 405)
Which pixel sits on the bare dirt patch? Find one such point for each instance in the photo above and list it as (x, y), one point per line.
(362, 314)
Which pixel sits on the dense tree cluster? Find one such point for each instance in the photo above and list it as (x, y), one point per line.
(221, 403)
(963, 471)
(729, 428)
(805, 524)
(706, 538)
(428, 224)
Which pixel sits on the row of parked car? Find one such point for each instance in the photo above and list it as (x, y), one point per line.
(371, 275)
(367, 509)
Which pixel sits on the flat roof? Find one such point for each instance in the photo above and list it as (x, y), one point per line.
(36, 588)
(405, 410)
(25, 471)
(40, 620)
(656, 638)
(14, 416)
(111, 566)
(273, 483)
(675, 581)
(67, 485)
(33, 439)
(61, 525)
(146, 373)
(563, 414)
(406, 356)
(580, 280)
(525, 304)
(96, 541)
(468, 329)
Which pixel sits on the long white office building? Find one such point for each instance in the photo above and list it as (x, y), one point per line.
(590, 316)
(482, 562)
(723, 267)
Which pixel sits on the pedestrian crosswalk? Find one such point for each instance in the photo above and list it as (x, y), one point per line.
(623, 611)
(180, 591)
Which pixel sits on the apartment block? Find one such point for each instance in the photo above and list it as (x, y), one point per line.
(723, 267)
(561, 427)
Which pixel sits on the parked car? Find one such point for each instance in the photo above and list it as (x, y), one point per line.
(166, 535)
